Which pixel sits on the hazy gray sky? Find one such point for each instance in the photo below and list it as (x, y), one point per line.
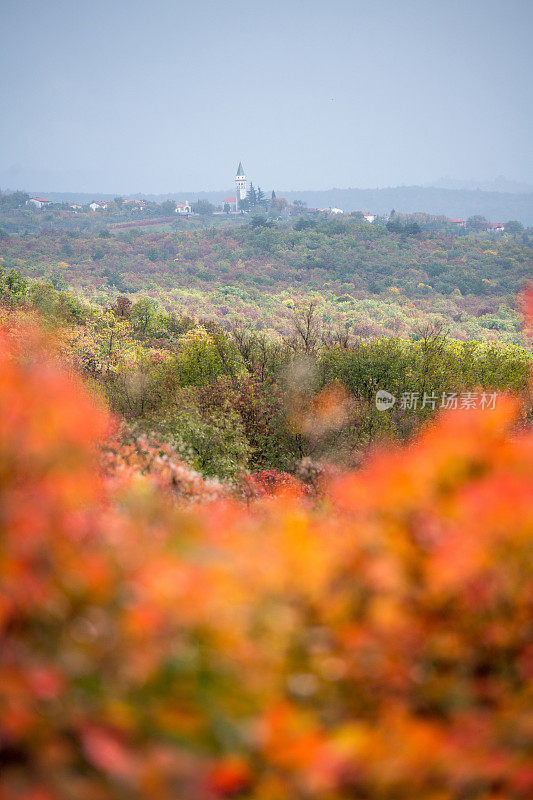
(167, 95)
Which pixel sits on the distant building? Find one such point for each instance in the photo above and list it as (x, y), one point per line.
(241, 189)
(98, 206)
(496, 227)
(459, 223)
(369, 217)
(138, 205)
(183, 208)
(331, 210)
(38, 202)
(230, 204)
(235, 204)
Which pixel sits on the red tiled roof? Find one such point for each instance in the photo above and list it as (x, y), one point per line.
(40, 199)
(230, 200)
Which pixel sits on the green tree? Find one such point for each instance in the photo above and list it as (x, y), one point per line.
(252, 196)
(258, 221)
(299, 206)
(260, 198)
(477, 223)
(167, 208)
(201, 357)
(13, 283)
(513, 226)
(13, 200)
(143, 316)
(204, 208)
(213, 442)
(44, 298)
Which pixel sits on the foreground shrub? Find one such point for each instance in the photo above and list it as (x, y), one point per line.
(377, 645)
(126, 457)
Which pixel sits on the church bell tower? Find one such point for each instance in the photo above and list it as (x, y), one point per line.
(240, 184)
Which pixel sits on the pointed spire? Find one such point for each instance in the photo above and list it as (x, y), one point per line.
(240, 169)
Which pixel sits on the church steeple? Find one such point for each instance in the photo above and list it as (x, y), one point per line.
(240, 184)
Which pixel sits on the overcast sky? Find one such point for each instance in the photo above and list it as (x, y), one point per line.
(166, 95)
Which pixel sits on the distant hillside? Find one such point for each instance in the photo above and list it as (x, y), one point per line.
(495, 206)
(499, 184)
(369, 280)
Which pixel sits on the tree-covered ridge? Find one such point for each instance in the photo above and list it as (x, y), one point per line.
(368, 279)
(371, 258)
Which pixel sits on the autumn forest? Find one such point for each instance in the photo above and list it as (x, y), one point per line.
(266, 523)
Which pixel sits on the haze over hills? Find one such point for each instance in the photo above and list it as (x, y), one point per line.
(498, 184)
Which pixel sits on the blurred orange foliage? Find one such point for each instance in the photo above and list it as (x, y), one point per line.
(376, 644)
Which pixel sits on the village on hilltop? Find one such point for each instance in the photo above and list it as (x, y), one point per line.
(247, 199)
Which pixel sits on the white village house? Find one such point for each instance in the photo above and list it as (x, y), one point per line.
(183, 208)
(331, 210)
(38, 202)
(98, 206)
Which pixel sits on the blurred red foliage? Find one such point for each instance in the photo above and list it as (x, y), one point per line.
(269, 482)
(377, 644)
